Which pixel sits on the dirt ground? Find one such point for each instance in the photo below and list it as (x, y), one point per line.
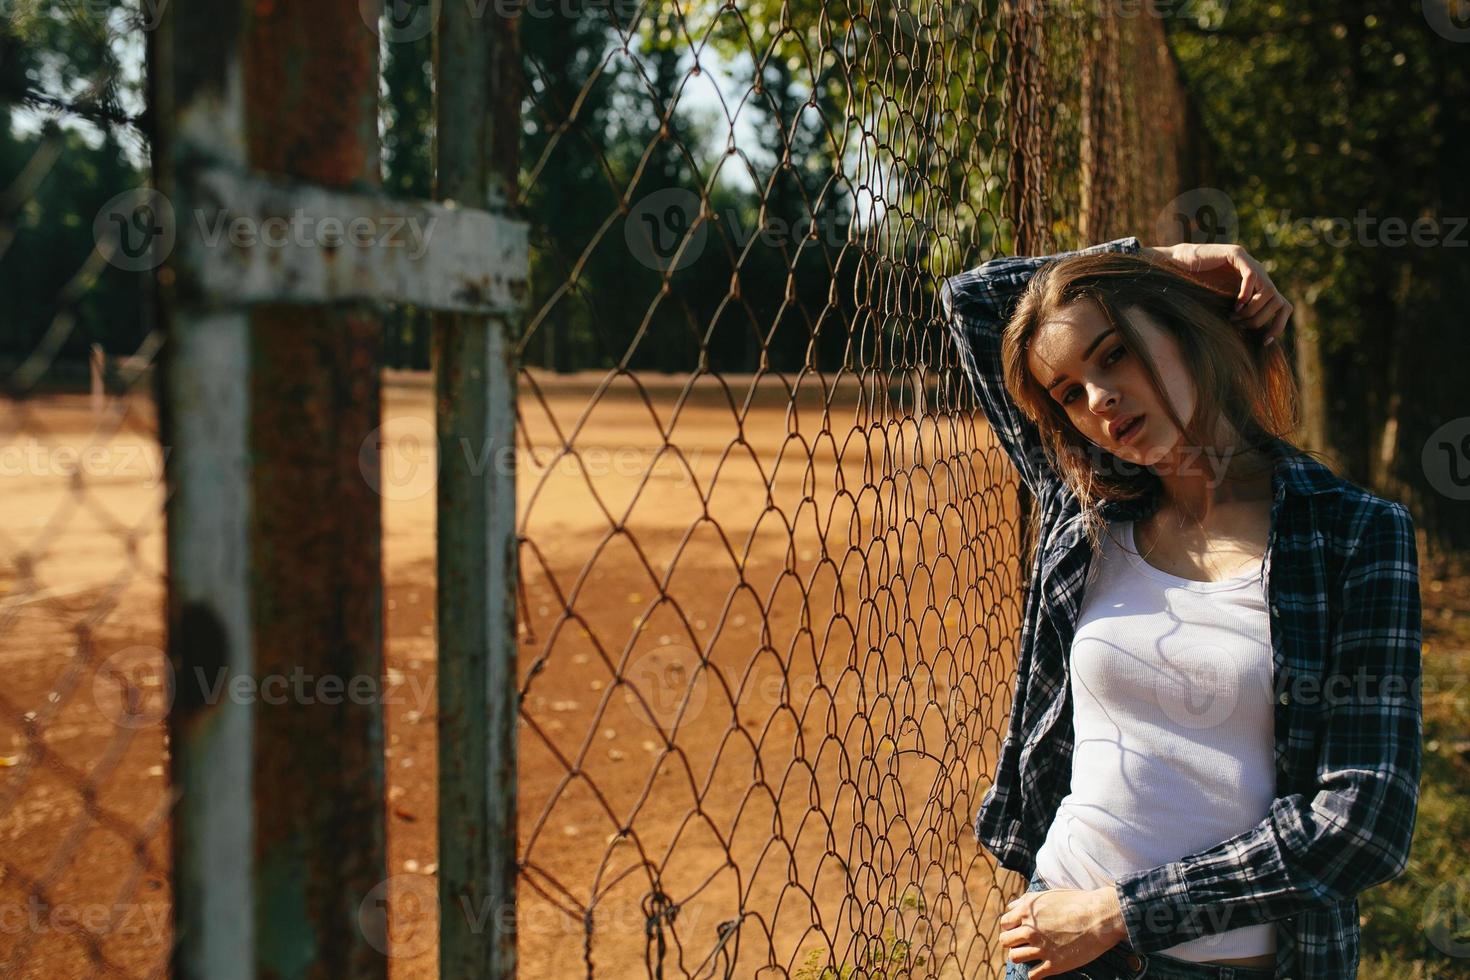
(763, 680)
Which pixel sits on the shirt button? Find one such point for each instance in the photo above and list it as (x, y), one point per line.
(1274, 610)
(1285, 698)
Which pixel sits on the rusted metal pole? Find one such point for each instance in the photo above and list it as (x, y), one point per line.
(478, 69)
(311, 104)
(198, 117)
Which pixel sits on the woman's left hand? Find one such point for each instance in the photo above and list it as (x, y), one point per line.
(1058, 929)
(1258, 303)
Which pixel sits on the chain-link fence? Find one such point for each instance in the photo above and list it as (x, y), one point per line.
(769, 585)
(84, 791)
(769, 548)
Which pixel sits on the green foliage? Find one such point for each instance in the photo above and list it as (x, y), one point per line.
(1395, 939)
(1317, 111)
(68, 54)
(887, 958)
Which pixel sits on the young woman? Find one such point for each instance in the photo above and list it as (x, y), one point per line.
(1214, 744)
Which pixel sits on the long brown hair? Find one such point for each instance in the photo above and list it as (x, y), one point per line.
(1235, 377)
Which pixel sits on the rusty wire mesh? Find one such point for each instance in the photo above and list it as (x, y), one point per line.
(84, 792)
(766, 668)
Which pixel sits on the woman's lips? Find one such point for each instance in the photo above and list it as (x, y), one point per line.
(1130, 433)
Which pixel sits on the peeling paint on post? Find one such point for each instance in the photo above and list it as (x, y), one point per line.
(477, 68)
(204, 407)
(274, 535)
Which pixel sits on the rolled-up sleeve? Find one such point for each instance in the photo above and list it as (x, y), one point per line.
(1354, 830)
(977, 304)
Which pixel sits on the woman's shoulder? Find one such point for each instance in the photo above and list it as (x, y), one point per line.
(1350, 507)
(1357, 511)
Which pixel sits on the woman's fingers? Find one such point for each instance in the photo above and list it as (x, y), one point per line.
(1265, 290)
(1251, 279)
(1258, 302)
(1039, 970)
(1278, 326)
(1266, 313)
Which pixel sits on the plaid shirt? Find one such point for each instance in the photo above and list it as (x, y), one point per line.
(1342, 584)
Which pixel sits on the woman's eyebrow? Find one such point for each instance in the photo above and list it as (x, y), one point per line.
(1085, 355)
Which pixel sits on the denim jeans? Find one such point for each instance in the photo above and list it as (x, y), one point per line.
(1121, 963)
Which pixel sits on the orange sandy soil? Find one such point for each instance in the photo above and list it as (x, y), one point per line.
(853, 555)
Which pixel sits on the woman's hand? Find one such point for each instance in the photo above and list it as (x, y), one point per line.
(1231, 268)
(1060, 929)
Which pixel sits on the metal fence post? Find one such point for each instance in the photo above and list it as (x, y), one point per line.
(274, 532)
(477, 67)
(203, 396)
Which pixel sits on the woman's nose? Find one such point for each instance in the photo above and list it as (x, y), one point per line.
(1101, 398)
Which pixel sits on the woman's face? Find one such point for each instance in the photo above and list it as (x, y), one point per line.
(1081, 361)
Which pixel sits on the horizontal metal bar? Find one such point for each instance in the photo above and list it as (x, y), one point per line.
(253, 239)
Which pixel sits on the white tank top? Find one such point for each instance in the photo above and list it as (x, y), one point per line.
(1171, 685)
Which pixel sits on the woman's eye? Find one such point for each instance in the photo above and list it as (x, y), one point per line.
(1114, 356)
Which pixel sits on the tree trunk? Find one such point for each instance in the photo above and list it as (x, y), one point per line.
(1313, 429)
